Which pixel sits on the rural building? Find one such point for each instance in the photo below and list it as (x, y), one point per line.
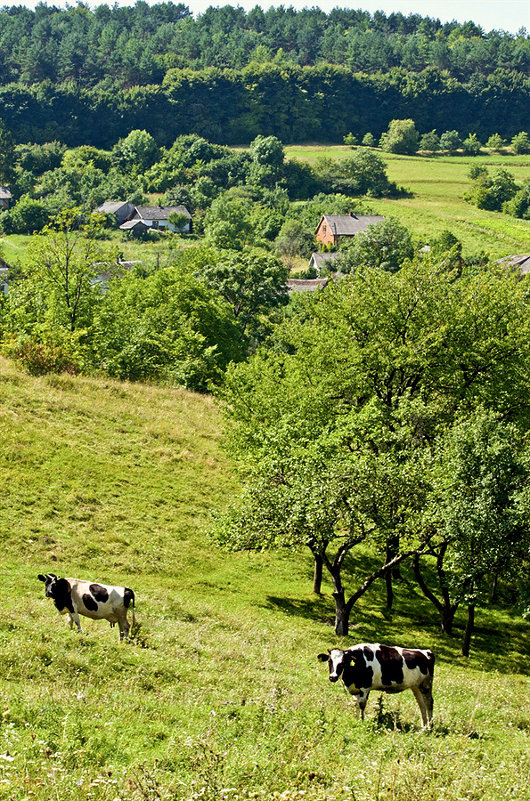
(321, 261)
(4, 270)
(120, 209)
(306, 284)
(334, 226)
(108, 271)
(157, 218)
(5, 197)
(522, 262)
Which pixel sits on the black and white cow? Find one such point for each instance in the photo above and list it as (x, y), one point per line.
(75, 597)
(388, 668)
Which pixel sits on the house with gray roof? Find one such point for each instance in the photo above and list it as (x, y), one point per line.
(334, 226)
(322, 261)
(122, 210)
(156, 218)
(5, 198)
(521, 262)
(306, 284)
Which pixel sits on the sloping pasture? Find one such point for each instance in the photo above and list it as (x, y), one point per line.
(219, 693)
(437, 185)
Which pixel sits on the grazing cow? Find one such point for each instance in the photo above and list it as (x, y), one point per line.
(387, 668)
(98, 601)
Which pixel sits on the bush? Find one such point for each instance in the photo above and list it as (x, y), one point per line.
(521, 143)
(39, 357)
(401, 137)
(472, 145)
(430, 141)
(450, 140)
(369, 140)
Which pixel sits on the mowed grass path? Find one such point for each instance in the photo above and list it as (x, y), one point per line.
(219, 694)
(438, 185)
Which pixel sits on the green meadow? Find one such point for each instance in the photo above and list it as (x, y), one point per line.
(219, 694)
(438, 185)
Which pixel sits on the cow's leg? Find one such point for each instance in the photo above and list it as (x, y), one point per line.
(124, 626)
(74, 618)
(362, 700)
(423, 696)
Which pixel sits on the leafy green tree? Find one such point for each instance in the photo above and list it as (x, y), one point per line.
(293, 240)
(334, 429)
(63, 261)
(472, 145)
(7, 154)
(369, 140)
(430, 141)
(26, 217)
(480, 505)
(519, 205)
(227, 223)
(253, 283)
(138, 151)
(490, 192)
(165, 326)
(521, 143)
(450, 140)
(495, 142)
(401, 137)
(386, 245)
(267, 157)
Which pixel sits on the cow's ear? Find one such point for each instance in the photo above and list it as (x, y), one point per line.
(41, 577)
(323, 657)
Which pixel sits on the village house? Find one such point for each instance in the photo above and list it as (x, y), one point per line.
(306, 284)
(156, 218)
(333, 227)
(520, 262)
(322, 261)
(5, 197)
(120, 209)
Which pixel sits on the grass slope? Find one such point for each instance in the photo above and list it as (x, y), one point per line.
(219, 695)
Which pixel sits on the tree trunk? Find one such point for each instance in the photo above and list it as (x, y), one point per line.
(317, 575)
(447, 619)
(342, 614)
(392, 550)
(389, 589)
(470, 625)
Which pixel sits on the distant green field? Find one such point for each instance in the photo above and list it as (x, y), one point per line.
(219, 694)
(438, 185)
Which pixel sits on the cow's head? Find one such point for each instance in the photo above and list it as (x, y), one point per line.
(50, 581)
(337, 660)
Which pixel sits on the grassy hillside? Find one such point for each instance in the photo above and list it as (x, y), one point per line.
(219, 695)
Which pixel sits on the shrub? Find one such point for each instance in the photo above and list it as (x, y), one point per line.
(521, 143)
(39, 357)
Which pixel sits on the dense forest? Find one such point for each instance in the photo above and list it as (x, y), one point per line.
(89, 77)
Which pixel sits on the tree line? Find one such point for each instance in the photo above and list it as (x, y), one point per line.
(136, 46)
(294, 103)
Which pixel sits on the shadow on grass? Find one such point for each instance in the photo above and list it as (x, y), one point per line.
(414, 622)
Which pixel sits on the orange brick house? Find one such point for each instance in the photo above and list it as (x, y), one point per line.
(334, 226)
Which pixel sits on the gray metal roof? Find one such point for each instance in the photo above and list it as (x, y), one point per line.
(112, 206)
(5, 193)
(160, 212)
(522, 262)
(320, 259)
(132, 224)
(350, 224)
(306, 284)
